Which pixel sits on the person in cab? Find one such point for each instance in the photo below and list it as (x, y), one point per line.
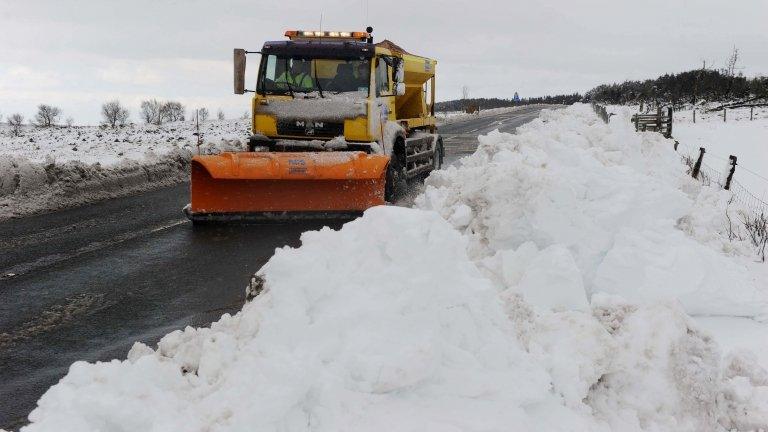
(298, 76)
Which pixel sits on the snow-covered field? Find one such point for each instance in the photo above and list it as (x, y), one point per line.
(747, 140)
(52, 168)
(569, 277)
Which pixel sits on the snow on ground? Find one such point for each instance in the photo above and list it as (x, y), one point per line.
(600, 202)
(542, 285)
(747, 140)
(51, 168)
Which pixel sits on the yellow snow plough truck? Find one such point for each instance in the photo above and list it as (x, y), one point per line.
(339, 124)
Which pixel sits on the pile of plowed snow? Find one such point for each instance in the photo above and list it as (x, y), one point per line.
(489, 309)
(598, 208)
(52, 168)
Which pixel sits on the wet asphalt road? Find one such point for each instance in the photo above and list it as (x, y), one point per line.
(85, 283)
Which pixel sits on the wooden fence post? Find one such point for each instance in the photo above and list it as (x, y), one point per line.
(658, 119)
(732, 161)
(725, 114)
(751, 112)
(669, 126)
(697, 165)
(694, 115)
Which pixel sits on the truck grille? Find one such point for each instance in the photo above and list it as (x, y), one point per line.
(319, 129)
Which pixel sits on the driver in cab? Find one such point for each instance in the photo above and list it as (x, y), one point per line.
(298, 76)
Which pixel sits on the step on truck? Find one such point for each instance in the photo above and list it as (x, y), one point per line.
(339, 124)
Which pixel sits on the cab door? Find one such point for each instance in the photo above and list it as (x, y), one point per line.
(383, 107)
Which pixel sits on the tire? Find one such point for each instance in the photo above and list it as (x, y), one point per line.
(396, 186)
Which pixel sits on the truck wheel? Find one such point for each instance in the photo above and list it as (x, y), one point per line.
(396, 186)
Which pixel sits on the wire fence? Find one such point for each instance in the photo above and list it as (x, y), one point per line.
(754, 211)
(710, 176)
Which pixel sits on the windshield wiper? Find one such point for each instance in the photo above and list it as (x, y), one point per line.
(288, 77)
(317, 82)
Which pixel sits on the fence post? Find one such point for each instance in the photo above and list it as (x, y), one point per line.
(751, 111)
(725, 114)
(732, 161)
(658, 119)
(694, 115)
(669, 127)
(697, 165)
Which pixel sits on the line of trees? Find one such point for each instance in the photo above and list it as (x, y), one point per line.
(487, 103)
(681, 88)
(46, 116)
(693, 86)
(156, 112)
(113, 114)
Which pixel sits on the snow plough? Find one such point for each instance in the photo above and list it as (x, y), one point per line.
(339, 124)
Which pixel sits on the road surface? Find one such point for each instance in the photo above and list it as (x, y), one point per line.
(85, 283)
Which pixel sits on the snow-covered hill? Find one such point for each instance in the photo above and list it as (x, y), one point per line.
(547, 283)
(51, 168)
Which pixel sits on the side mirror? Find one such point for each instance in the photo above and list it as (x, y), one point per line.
(399, 72)
(400, 89)
(239, 62)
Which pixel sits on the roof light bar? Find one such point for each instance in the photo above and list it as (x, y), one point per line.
(297, 34)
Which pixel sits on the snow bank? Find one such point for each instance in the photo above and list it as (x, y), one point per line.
(617, 205)
(54, 168)
(401, 321)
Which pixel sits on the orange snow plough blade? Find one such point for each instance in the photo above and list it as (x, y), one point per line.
(263, 186)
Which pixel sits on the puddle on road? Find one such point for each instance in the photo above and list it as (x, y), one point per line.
(53, 317)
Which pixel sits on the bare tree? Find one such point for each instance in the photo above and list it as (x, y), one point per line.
(114, 113)
(733, 60)
(172, 111)
(220, 115)
(151, 111)
(465, 92)
(47, 115)
(16, 122)
(69, 122)
(203, 113)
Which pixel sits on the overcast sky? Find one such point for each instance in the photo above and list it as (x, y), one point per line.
(77, 54)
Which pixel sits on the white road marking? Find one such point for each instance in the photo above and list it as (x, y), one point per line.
(170, 225)
(55, 258)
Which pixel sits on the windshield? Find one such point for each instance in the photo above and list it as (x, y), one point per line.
(287, 75)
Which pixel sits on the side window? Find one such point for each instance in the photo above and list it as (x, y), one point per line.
(382, 78)
(271, 65)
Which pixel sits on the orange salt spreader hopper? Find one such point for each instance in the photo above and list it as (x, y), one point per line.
(266, 186)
